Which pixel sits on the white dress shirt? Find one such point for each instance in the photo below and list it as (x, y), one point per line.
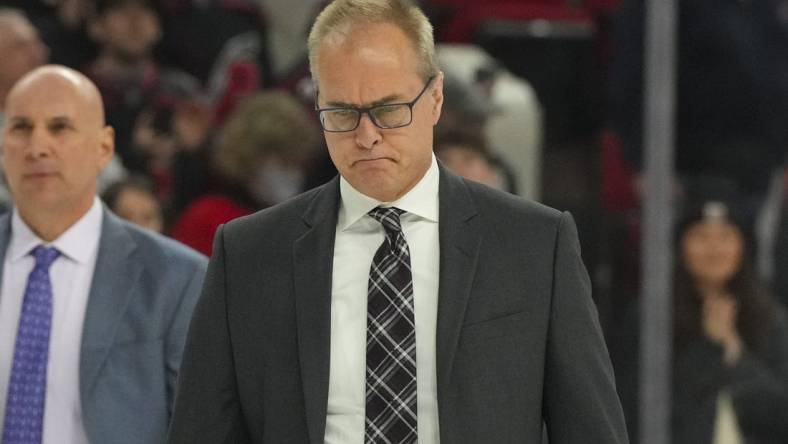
(71, 275)
(358, 237)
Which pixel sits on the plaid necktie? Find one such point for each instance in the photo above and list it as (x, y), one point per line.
(391, 338)
(24, 408)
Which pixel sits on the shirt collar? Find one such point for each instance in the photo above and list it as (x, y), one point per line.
(421, 200)
(77, 242)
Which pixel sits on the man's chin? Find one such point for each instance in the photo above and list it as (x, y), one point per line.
(42, 197)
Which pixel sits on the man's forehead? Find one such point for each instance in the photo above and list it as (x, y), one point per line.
(372, 72)
(58, 105)
(44, 96)
(383, 39)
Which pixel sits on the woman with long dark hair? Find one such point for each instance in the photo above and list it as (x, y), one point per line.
(730, 372)
(730, 336)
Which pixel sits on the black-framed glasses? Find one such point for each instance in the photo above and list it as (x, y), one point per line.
(386, 116)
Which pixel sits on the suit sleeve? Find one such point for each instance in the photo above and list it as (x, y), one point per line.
(580, 400)
(207, 407)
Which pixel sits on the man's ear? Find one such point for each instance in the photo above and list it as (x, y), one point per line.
(437, 97)
(107, 146)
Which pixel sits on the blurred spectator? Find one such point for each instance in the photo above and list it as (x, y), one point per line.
(465, 108)
(504, 106)
(465, 153)
(170, 134)
(62, 25)
(730, 337)
(258, 163)
(125, 71)
(21, 50)
(134, 199)
(732, 89)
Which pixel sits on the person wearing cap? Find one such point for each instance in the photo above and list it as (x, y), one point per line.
(93, 310)
(399, 302)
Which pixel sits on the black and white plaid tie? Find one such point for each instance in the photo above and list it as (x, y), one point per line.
(391, 338)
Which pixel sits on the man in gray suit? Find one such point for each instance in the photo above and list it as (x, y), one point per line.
(93, 311)
(398, 303)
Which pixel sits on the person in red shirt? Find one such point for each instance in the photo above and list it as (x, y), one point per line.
(257, 162)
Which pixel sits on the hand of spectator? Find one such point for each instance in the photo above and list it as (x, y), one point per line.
(719, 325)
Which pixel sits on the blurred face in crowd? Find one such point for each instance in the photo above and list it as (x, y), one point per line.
(376, 64)
(469, 164)
(276, 178)
(129, 29)
(20, 47)
(139, 207)
(712, 251)
(55, 143)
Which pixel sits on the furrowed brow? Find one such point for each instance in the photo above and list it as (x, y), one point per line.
(394, 98)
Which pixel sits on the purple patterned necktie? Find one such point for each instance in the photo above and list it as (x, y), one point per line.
(24, 408)
(391, 339)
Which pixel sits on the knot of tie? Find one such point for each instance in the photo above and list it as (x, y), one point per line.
(389, 218)
(44, 256)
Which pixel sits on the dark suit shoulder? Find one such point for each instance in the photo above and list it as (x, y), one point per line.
(285, 211)
(497, 207)
(267, 228)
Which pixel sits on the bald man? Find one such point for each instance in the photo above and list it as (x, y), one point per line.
(93, 311)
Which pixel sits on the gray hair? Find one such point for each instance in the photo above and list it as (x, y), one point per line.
(341, 15)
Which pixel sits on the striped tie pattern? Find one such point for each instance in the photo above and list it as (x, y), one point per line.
(24, 409)
(391, 339)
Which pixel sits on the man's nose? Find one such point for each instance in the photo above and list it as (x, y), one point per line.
(39, 144)
(367, 134)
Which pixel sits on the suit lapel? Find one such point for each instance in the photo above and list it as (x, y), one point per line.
(459, 247)
(114, 281)
(313, 255)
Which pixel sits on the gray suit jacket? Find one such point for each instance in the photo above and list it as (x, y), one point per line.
(518, 341)
(143, 293)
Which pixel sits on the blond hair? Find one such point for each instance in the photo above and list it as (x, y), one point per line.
(341, 15)
(268, 123)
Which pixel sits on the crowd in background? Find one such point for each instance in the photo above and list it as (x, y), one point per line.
(212, 106)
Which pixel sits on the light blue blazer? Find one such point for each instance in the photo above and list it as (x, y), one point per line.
(144, 289)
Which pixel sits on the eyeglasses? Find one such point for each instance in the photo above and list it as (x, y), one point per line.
(386, 116)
